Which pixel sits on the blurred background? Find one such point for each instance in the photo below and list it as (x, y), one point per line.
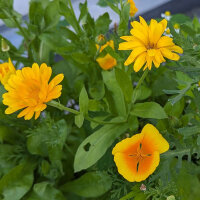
(147, 8)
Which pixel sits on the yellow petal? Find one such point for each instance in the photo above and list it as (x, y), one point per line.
(106, 62)
(128, 145)
(126, 165)
(130, 45)
(147, 166)
(136, 52)
(165, 41)
(168, 54)
(139, 62)
(153, 140)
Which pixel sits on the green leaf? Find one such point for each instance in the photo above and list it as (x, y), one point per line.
(102, 24)
(91, 184)
(125, 83)
(79, 119)
(97, 90)
(83, 10)
(189, 131)
(15, 184)
(198, 140)
(148, 110)
(51, 15)
(187, 29)
(69, 16)
(80, 57)
(83, 101)
(36, 13)
(45, 191)
(115, 92)
(176, 109)
(143, 92)
(94, 146)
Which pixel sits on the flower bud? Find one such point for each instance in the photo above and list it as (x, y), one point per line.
(4, 46)
(100, 39)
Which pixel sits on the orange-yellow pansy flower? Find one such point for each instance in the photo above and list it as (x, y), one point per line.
(29, 89)
(148, 45)
(133, 8)
(106, 62)
(137, 157)
(6, 70)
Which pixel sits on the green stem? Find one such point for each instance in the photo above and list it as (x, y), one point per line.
(62, 107)
(97, 53)
(10, 15)
(138, 85)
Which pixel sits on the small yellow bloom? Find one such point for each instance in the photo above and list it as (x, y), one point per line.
(148, 45)
(29, 89)
(167, 13)
(100, 39)
(133, 8)
(4, 46)
(168, 31)
(106, 62)
(138, 157)
(176, 26)
(6, 70)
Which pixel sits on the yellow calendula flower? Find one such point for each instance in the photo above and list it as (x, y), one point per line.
(6, 70)
(148, 45)
(106, 62)
(29, 89)
(138, 157)
(133, 8)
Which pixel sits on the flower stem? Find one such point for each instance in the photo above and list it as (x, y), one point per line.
(97, 53)
(62, 107)
(138, 85)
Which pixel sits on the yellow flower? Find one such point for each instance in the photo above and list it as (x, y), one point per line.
(133, 8)
(148, 45)
(29, 89)
(106, 62)
(176, 26)
(6, 70)
(137, 157)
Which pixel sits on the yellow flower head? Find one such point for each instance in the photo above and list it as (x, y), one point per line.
(137, 157)
(176, 26)
(29, 89)
(133, 8)
(167, 31)
(6, 70)
(167, 13)
(106, 62)
(148, 45)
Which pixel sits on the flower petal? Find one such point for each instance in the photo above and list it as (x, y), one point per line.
(128, 145)
(147, 166)
(153, 140)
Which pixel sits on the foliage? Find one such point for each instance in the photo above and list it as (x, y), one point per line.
(62, 156)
